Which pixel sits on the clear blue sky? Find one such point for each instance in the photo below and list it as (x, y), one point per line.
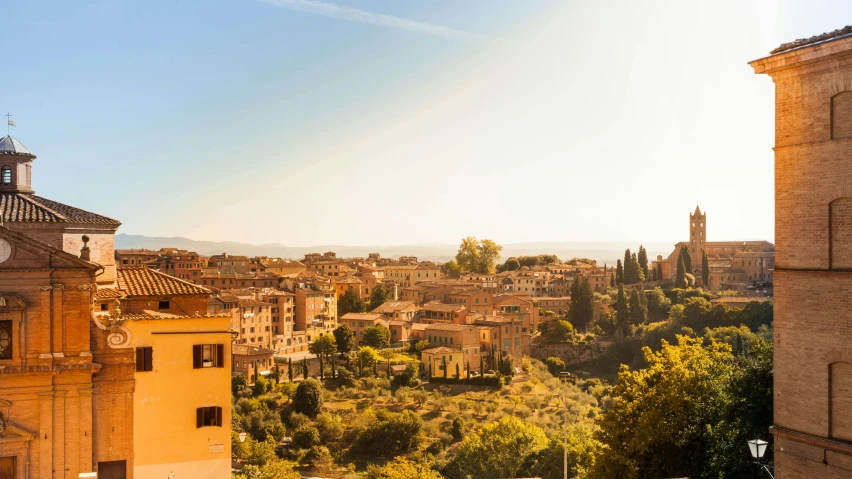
(388, 122)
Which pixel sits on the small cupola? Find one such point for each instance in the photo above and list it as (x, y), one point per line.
(15, 166)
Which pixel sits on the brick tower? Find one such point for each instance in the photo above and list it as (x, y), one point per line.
(697, 237)
(813, 256)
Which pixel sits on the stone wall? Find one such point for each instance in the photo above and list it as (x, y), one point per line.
(572, 354)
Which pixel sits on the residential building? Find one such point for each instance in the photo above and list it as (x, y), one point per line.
(316, 310)
(252, 361)
(400, 310)
(358, 322)
(813, 230)
(435, 360)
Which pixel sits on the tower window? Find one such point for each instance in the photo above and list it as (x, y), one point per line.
(7, 175)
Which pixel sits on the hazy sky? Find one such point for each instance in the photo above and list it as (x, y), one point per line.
(389, 122)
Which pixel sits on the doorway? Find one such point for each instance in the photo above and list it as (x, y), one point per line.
(7, 468)
(112, 470)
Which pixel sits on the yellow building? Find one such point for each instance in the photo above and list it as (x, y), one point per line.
(434, 360)
(183, 380)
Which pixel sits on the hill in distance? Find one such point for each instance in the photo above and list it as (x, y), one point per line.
(603, 251)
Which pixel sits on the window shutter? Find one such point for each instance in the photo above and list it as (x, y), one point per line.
(199, 417)
(140, 359)
(196, 356)
(219, 416)
(220, 355)
(149, 359)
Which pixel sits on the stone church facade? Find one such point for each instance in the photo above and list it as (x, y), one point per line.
(733, 264)
(70, 380)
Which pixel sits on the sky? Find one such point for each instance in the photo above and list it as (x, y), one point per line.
(387, 122)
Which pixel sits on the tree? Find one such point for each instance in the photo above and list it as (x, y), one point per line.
(581, 448)
(458, 371)
(619, 272)
(467, 256)
(392, 434)
(660, 272)
(705, 270)
(632, 272)
(680, 278)
(308, 398)
(687, 258)
(305, 368)
(582, 310)
(554, 365)
(401, 468)
(239, 384)
(377, 336)
(350, 302)
(687, 378)
(451, 268)
(497, 450)
(621, 311)
(457, 429)
(444, 366)
(306, 437)
(290, 369)
(324, 346)
(367, 358)
(638, 309)
(478, 256)
(512, 264)
(643, 262)
(345, 338)
(379, 295)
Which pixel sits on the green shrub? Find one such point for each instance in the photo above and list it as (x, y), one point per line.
(391, 434)
(457, 429)
(306, 437)
(308, 398)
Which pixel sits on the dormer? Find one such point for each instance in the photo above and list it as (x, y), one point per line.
(15, 166)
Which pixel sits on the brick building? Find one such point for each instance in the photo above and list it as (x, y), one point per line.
(733, 264)
(75, 394)
(813, 270)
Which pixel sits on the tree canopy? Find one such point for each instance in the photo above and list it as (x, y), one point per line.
(379, 295)
(345, 338)
(478, 256)
(308, 398)
(377, 336)
(582, 311)
(350, 302)
(497, 450)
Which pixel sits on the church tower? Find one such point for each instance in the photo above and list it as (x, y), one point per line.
(15, 166)
(697, 236)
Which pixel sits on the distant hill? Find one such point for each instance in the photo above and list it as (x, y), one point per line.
(604, 251)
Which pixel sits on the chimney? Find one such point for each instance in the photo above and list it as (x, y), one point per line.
(84, 251)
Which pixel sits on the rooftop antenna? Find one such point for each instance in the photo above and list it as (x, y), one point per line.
(9, 123)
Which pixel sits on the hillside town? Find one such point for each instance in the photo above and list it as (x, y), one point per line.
(166, 363)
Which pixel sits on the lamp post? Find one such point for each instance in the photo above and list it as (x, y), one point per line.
(757, 447)
(242, 436)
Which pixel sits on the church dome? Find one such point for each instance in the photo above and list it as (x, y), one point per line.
(11, 146)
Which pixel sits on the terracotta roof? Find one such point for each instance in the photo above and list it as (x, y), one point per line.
(439, 306)
(391, 306)
(143, 281)
(362, 316)
(448, 327)
(441, 350)
(108, 293)
(31, 208)
(148, 314)
(801, 42)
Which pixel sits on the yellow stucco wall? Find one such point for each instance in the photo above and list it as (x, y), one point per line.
(436, 360)
(166, 438)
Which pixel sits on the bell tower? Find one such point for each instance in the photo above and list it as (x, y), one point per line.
(15, 166)
(697, 235)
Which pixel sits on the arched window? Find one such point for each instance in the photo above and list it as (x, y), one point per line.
(6, 175)
(840, 233)
(841, 115)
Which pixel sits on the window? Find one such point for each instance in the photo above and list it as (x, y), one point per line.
(208, 416)
(7, 175)
(144, 361)
(6, 339)
(164, 304)
(208, 356)
(104, 307)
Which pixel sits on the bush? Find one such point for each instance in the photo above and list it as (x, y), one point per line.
(457, 429)
(308, 398)
(261, 386)
(554, 365)
(330, 427)
(391, 434)
(239, 384)
(306, 437)
(346, 376)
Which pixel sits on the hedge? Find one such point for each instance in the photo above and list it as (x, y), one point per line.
(497, 381)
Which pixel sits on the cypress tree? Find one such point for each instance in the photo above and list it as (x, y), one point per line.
(680, 279)
(468, 369)
(612, 281)
(687, 258)
(305, 366)
(481, 364)
(619, 272)
(705, 270)
(444, 362)
(621, 310)
(458, 372)
(660, 272)
(290, 369)
(627, 264)
(643, 261)
(635, 308)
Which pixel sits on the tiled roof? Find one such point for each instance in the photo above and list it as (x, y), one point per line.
(441, 350)
(148, 314)
(391, 306)
(801, 42)
(107, 293)
(448, 327)
(362, 316)
(439, 306)
(31, 208)
(143, 281)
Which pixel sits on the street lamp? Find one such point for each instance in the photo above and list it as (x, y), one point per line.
(757, 447)
(242, 436)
